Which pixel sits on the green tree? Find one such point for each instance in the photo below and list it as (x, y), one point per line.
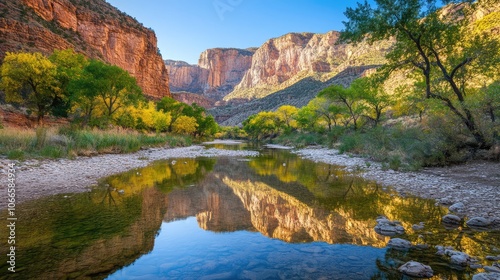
(174, 107)
(436, 43)
(375, 98)
(84, 91)
(118, 88)
(106, 85)
(286, 116)
(69, 66)
(261, 125)
(347, 98)
(306, 118)
(30, 79)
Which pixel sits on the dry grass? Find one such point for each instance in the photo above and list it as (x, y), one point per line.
(17, 143)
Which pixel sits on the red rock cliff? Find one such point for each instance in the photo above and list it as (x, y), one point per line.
(216, 74)
(93, 28)
(282, 61)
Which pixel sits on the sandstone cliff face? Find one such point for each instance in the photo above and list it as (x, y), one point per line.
(216, 74)
(185, 77)
(283, 61)
(94, 28)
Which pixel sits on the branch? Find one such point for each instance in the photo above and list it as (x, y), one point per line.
(460, 65)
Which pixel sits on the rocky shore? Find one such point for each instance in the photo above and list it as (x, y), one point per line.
(476, 185)
(37, 178)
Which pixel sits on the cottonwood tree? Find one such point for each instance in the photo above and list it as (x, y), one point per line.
(435, 42)
(376, 100)
(69, 67)
(30, 79)
(347, 99)
(104, 85)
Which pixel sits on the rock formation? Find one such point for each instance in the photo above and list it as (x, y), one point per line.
(282, 61)
(94, 28)
(216, 74)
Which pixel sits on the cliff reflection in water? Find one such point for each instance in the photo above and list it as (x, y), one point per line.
(278, 196)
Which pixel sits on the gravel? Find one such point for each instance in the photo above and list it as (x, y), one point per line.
(475, 184)
(37, 178)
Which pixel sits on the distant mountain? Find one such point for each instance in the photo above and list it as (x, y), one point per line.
(283, 61)
(235, 76)
(91, 27)
(298, 94)
(216, 74)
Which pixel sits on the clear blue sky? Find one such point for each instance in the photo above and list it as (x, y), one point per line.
(185, 28)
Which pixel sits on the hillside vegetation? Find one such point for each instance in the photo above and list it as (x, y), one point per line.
(435, 101)
(91, 95)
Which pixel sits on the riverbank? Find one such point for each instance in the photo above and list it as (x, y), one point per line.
(38, 178)
(475, 184)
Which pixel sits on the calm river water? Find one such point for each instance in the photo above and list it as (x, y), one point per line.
(275, 216)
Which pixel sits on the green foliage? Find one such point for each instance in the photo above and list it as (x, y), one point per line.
(447, 56)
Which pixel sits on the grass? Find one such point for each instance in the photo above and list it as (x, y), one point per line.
(66, 142)
(395, 147)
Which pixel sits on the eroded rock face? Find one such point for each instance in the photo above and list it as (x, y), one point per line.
(216, 74)
(93, 28)
(282, 61)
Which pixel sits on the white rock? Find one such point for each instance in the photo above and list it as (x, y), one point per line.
(478, 222)
(416, 269)
(399, 244)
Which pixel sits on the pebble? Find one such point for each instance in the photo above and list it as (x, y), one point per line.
(77, 175)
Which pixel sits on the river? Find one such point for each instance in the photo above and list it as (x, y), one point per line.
(275, 216)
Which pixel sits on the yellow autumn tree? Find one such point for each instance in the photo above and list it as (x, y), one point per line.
(30, 79)
(184, 125)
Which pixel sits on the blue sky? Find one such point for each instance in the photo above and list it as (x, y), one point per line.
(185, 28)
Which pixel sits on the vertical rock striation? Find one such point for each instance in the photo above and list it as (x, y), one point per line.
(216, 74)
(94, 28)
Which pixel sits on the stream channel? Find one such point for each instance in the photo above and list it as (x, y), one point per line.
(275, 216)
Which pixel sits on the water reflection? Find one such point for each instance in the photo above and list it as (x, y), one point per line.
(275, 216)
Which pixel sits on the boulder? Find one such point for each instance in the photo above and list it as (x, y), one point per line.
(458, 258)
(478, 222)
(416, 269)
(399, 244)
(486, 276)
(451, 219)
(388, 228)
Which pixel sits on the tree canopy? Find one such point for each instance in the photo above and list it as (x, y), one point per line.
(435, 42)
(30, 80)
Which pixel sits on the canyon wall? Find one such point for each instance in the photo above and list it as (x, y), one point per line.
(216, 74)
(281, 62)
(234, 75)
(94, 28)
